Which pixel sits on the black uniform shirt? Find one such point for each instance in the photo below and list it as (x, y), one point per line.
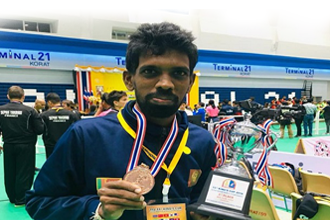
(57, 121)
(19, 123)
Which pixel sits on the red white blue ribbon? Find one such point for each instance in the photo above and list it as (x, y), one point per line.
(221, 135)
(262, 169)
(138, 143)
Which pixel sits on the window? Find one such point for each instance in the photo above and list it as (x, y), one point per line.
(11, 24)
(25, 25)
(118, 34)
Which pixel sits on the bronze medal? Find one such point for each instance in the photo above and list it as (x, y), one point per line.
(142, 177)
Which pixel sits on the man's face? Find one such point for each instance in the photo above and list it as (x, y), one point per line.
(161, 83)
(121, 103)
(40, 105)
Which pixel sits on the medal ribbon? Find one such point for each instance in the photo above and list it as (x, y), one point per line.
(138, 143)
(153, 157)
(57, 108)
(177, 155)
(262, 169)
(221, 135)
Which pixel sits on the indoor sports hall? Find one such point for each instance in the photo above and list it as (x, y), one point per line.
(268, 62)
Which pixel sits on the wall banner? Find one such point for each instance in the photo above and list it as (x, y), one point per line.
(14, 58)
(253, 71)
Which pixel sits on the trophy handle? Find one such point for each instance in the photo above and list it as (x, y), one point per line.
(273, 134)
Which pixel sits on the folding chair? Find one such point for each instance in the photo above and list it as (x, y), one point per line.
(284, 184)
(315, 183)
(262, 207)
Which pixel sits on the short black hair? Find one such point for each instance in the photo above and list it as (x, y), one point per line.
(68, 103)
(15, 92)
(113, 96)
(104, 98)
(157, 39)
(53, 98)
(92, 108)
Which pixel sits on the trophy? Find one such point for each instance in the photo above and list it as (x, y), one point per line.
(228, 189)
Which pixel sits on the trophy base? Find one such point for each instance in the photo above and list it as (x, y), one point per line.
(221, 213)
(225, 196)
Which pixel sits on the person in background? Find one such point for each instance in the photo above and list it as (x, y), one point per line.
(183, 107)
(160, 61)
(226, 108)
(39, 105)
(212, 112)
(304, 99)
(309, 117)
(57, 121)
(326, 114)
(273, 104)
(91, 111)
(69, 105)
(285, 119)
(195, 108)
(201, 111)
(320, 106)
(104, 106)
(219, 106)
(117, 101)
(267, 105)
(19, 126)
(299, 115)
(283, 99)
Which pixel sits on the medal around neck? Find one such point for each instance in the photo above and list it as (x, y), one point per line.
(142, 177)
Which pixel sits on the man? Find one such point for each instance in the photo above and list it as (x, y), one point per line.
(309, 117)
(57, 120)
(160, 61)
(284, 119)
(298, 116)
(326, 114)
(69, 105)
(20, 126)
(201, 111)
(39, 105)
(227, 109)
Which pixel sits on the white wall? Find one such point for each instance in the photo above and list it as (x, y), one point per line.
(292, 28)
(20, 75)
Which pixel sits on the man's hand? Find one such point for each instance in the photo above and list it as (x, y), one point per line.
(1, 149)
(118, 196)
(196, 216)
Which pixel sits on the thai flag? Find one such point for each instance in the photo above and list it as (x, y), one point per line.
(83, 86)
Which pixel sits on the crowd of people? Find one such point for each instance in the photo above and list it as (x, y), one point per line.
(20, 126)
(301, 112)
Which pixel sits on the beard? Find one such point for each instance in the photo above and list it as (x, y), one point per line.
(155, 110)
